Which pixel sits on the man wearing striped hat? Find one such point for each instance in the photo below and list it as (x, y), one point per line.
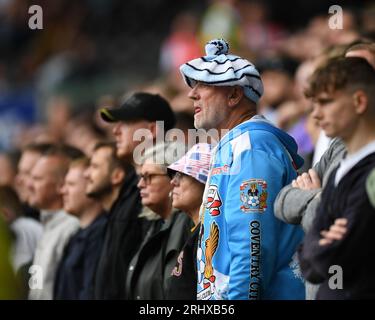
(246, 253)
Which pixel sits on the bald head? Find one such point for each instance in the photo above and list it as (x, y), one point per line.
(47, 177)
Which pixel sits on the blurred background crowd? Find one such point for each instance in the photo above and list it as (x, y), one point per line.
(92, 54)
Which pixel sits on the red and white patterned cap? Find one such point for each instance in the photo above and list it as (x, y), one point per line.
(195, 163)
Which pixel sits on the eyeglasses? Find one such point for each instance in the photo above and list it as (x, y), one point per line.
(177, 176)
(148, 176)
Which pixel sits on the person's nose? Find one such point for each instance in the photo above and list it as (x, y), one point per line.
(316, 111)
(193, 93)
(116, 128)
(141, 183)
(86, 173)
(29, 184)
(173, 182)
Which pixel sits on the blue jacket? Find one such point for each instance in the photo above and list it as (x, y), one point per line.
(244, 252)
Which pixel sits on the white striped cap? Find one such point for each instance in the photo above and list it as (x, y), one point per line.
(218, 68)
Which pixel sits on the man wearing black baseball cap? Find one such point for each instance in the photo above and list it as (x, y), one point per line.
(125, 229)
(140, 111)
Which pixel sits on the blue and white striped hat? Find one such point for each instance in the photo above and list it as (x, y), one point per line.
(218, 68)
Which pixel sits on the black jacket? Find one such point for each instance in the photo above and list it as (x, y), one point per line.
(355, 253)
(122, 239)
(182, 283)
(75, 275)
(151, 267)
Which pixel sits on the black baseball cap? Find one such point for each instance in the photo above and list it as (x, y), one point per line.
(142, 106)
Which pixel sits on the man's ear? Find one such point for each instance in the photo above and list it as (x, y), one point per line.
(117, 176)
(234, 96)
(360, 101)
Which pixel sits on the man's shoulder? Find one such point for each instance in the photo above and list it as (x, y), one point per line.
(98, 226)
(68, 226)
(27, 224)
(245, 139)
(62, 220)
(182, 221)
(252, 134)
(336, 149)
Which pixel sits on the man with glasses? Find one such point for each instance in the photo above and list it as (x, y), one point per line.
(148, 177)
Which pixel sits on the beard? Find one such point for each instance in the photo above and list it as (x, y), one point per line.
(105, 187)
(210, 119)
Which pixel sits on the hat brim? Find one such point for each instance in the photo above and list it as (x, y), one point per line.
(114, 115)
(172, 169)
(171, 172)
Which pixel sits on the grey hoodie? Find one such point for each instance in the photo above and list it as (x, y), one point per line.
(296, 206)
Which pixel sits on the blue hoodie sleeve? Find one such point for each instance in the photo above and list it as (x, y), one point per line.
(254, 182)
